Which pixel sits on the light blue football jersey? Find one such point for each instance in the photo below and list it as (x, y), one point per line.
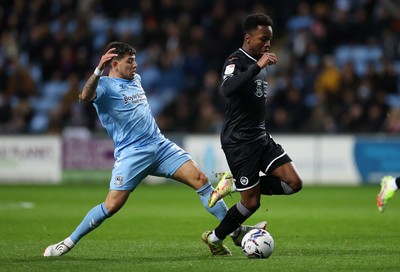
(125, 113)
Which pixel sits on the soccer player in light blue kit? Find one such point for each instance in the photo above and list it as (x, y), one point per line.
(140, 148)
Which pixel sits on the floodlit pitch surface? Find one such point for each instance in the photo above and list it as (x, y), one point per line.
(159, 229)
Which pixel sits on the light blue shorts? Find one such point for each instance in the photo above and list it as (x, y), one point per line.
(160, 159)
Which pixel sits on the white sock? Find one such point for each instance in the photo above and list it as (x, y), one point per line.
(213, 238)
(393, 184)
(68, 242)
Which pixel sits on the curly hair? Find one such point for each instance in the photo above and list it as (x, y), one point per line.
(252, 21)
(121, 49)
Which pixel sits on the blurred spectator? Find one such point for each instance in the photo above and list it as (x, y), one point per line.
(392, 124)
(179, 115)
(208, 120)
(16, 111)
(65, 113)
(327, 84)
(338, 71)
(320, 122)
(279, 121)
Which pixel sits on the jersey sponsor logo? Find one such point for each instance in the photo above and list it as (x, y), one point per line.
(244, 181)
(229, 69)
(118, 180)
(134, 98)
(261, 88)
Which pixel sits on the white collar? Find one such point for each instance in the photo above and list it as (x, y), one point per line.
(244, 52)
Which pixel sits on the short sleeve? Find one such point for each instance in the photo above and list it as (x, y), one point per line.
(101, 90)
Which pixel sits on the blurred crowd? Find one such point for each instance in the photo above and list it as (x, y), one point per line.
(338, 69)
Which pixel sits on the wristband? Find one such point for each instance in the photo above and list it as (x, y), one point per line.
(98, 72)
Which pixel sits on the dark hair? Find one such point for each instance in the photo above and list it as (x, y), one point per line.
(252, 21)
(121, 49)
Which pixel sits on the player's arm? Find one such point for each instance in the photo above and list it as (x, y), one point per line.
(234, 79)
(89, 89)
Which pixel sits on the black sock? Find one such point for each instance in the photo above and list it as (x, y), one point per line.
(235, 216)
(271, 185)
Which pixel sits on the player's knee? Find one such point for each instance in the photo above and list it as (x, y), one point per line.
(297, 185)
(113, 206)
(202, 178)
(197, 181)
(251, 204)
(115, 200)
(254, 206)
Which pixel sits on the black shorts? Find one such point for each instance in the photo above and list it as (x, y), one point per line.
(246, 161)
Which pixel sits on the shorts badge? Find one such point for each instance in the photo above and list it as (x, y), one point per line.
(118, 180)
(244, 181)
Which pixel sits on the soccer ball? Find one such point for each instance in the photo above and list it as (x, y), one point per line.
(258, 243)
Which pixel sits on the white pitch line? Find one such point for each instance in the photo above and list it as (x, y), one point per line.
(17, 205)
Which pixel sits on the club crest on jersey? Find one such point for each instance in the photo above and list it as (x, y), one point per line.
(261, 88)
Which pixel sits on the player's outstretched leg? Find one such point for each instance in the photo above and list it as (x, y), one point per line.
(90, 222)
(215, 247)
(59, 249)
(385, 194)
(226, 186)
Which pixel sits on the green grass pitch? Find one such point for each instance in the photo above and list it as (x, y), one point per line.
(319, 229)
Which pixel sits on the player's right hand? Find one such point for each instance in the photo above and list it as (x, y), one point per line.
(267, 59)
(106, 58)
